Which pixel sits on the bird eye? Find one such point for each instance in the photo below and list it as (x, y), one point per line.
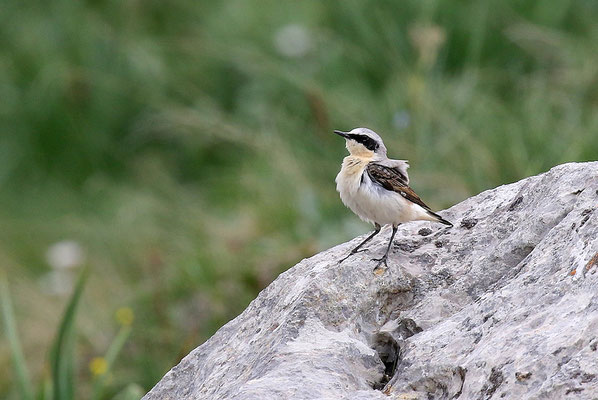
(370, 143)
(367, 141)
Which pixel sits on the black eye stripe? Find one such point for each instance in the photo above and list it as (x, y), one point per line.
(367, 141)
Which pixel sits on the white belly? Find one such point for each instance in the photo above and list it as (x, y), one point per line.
(374, 204)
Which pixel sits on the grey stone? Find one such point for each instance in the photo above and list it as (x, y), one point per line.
(506, 307)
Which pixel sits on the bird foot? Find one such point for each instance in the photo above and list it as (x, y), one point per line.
(381, 261)
(353, 252)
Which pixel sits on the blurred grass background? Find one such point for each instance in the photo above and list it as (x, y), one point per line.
(183, 150)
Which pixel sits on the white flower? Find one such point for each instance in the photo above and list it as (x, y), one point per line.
(293, 40)
(64, 255)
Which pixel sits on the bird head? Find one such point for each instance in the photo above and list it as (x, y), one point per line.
(364, 142)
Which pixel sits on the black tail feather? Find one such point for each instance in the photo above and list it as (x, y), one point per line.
(440, 219)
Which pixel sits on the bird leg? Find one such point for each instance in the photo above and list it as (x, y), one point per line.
(356, 250)
(385, 256)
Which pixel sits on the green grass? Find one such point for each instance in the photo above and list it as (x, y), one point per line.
(62, 383)
(22, 381)
(62, 352)
(194, 161)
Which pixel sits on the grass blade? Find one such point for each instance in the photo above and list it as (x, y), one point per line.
(61, 357)
(10, 327)
(111, 354)
(45, 389)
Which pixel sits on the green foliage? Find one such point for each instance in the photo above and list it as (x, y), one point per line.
(62, 353)
(187, 146)
(62, 359)
(23, 382)
(113, 351)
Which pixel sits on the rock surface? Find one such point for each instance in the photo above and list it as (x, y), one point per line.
(503, 305)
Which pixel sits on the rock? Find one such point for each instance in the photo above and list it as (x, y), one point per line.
(503, 305)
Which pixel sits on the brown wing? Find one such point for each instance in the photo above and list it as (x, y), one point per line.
(392, 179)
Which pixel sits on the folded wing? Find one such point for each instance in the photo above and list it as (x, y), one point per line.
(394, 179)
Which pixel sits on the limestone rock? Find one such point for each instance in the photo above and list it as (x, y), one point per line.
(502, 305)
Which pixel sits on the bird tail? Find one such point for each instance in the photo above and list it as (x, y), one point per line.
(438, 218)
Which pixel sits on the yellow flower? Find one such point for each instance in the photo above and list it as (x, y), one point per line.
(125, 316)
(98, 366)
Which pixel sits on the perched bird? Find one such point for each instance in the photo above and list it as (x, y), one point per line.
(376, 188)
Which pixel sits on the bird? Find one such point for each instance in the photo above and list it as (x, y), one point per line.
(376, 188)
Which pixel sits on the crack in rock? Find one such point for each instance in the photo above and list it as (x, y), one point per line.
(495, 379)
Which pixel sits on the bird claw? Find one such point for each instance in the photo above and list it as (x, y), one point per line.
(353, 252)
(382, 260)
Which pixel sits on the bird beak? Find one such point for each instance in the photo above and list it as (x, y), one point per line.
(341, 133)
